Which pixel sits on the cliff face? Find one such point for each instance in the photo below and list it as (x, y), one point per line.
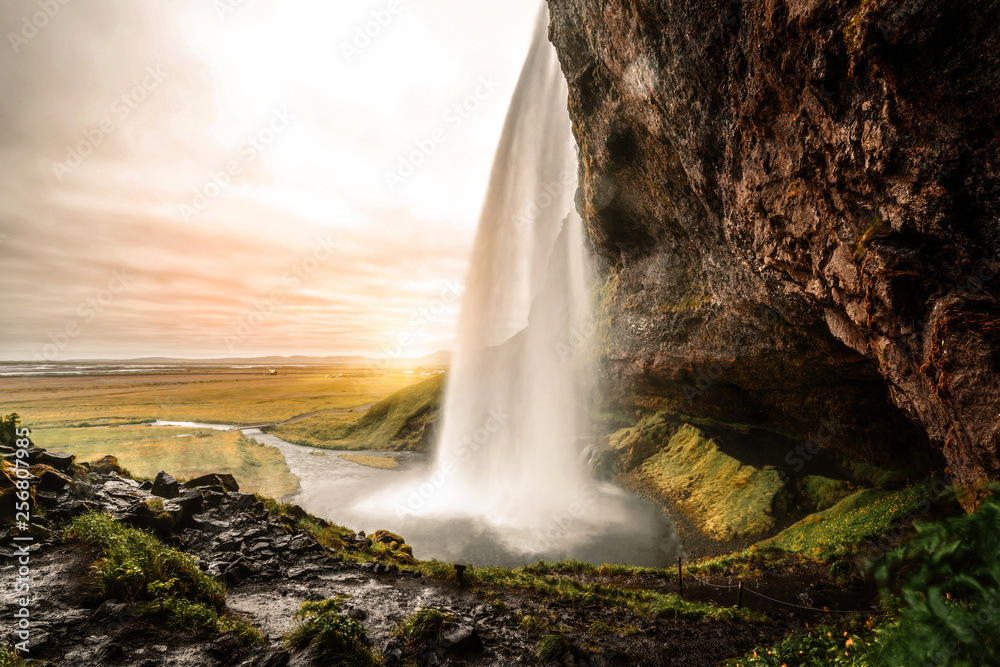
(797, 208)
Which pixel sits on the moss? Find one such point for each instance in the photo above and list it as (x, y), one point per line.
(534, 625)
(876, 228)
(724, 497)
(163, 582)
(822, 492)
(9, 657)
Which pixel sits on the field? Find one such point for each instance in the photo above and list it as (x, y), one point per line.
(92, 416)
(226, 396)
(183, 452)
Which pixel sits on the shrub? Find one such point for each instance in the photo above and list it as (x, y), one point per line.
(951, 611)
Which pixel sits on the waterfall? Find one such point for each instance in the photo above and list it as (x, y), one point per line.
(509, 481)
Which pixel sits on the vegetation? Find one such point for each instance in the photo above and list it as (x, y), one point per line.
(9, 657)
(424, 625)
(185, 452)
(338, 640)
(164, 583)
(853, 644)
(644, 602)
(951, 611)
(551, 647)
(225, 396)
(398, 422)
(381, 462)
(9, 426)
(832, 534)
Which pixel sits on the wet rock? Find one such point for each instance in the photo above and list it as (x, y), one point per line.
(460, 639)
(268, 659)
(224, 480)
(49, 478)
(165, 485)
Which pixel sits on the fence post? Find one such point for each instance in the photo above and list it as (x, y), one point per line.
(739, 597)
(680, 582)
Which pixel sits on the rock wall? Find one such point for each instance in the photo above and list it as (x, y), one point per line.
(796, 208)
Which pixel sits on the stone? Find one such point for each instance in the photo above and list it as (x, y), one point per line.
(165, 485)
(460, 639)
(58, 460)
(225, 480)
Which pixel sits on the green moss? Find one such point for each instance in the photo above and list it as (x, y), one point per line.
(534, 625)
(163, 582)
(838, 532)
(724, 497)
(822, 493)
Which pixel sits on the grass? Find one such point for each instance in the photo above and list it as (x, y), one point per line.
(726, 498)
(832, 534)
(643, 602)
(134, 566)
(551, 647)
(424, 625)
(226, 396)
(398, 422)
(9, 657)
(850, 644)
(337, 639)
(146, 450)
(381, 462)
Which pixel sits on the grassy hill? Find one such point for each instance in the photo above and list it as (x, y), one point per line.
(404, 421)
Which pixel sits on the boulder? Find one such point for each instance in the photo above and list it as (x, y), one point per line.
(58, 460)
(225, 480)
(165, 486)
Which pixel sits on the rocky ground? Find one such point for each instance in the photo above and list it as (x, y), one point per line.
(272, 565)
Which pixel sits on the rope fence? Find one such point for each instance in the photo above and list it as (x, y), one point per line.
(742, 588)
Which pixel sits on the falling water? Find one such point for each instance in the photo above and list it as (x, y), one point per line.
(510, 480)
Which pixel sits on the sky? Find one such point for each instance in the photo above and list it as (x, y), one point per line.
(236, 178)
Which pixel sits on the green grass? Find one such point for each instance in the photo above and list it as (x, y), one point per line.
(339, 640)
(835, 533)
(396, 422)
(724, 497)
(423, 625)
(643, 602)
(551, 647)
(134, 566)
(146, 450)
(380, 462)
